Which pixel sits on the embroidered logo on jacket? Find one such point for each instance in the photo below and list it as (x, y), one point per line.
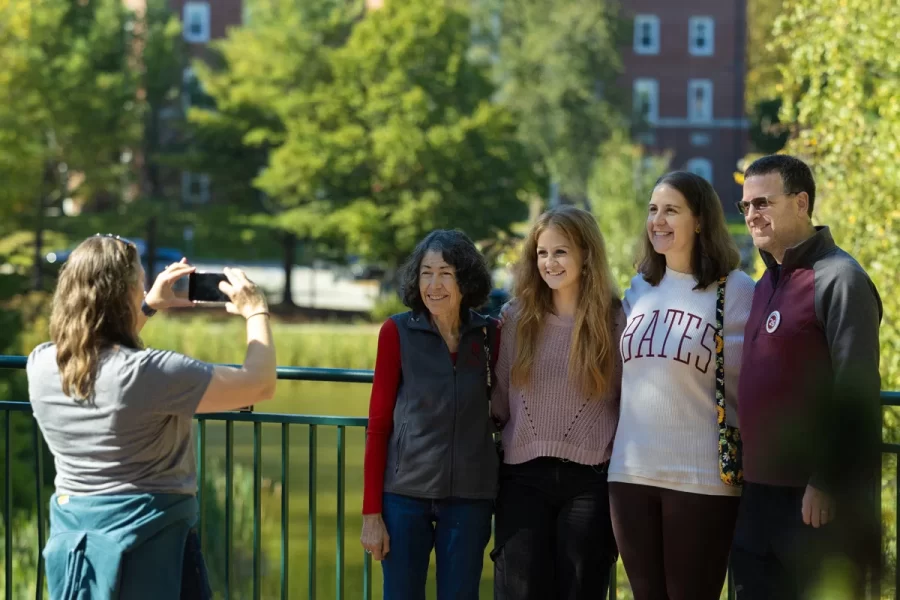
(773, 321)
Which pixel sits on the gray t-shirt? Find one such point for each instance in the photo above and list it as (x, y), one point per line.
(136, 434)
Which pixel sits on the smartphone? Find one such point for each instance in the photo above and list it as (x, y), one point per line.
(204, 287)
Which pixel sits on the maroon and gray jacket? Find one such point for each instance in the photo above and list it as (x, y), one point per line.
(808, 397)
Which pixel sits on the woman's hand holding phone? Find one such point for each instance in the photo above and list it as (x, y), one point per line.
(162, 295)
(246, 298)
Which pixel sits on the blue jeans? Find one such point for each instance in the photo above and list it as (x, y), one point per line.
(457, 529)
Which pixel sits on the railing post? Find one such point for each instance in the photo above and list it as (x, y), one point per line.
(7, 502)
(229, 502)
(341, 466)
(285, 510)
(897, 512)
(39, 485)
(201, 483)
(311, 559)
(613, 585)
(367, 576)
(257, 500)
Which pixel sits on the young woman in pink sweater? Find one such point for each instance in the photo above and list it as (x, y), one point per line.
(557, 400)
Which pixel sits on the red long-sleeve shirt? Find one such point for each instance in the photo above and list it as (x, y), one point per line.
(381, 412)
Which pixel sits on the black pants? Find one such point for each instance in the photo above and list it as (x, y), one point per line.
(194, 577)
(674, 544)
(778, 557)
(553, 535)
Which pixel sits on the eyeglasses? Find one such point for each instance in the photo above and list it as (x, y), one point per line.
(761, 204)
(113, 236)
(128, 243)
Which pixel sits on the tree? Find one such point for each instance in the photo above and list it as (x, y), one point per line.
(557, 64)
(70, 103)
(842, 93)
(374, 129)
(249, 85)
(413, 139)
(620, 188)
(764, 55)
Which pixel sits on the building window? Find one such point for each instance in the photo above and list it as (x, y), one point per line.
(646, 100)
(702, 40)
(701, 167)
(194, 188)
(195, 22)
(700, 100)
(646, 34)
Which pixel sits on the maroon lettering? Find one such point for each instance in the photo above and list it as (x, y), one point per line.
(672, 312)
(706, 333)
(648, 336)
(628, 334)
(685, 336)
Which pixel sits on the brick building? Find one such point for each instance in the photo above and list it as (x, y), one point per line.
(686, 70)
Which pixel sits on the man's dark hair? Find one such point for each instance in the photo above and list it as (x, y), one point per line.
(472, 275)
(796, 175)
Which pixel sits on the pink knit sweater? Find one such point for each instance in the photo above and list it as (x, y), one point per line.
(553, 417)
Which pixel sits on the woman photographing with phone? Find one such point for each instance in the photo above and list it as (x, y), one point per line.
(118, 419)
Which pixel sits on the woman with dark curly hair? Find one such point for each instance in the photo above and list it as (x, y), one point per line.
(430, 463)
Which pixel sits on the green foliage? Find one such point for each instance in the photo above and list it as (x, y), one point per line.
(620, 189)
(767, 132)
(370, 132)
(843, 95)
(386, 306)
(68, 96)
(557, 64)
(764, 54)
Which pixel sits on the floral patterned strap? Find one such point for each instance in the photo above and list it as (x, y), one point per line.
(730, 446)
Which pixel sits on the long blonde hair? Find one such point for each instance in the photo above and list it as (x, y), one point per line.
(593, 349)
(93, 308)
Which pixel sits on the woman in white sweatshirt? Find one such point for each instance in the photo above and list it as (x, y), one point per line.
(672, 513)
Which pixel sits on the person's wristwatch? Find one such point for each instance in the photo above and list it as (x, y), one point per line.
(145, 308)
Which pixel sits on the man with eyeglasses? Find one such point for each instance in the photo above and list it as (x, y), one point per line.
(808, 398)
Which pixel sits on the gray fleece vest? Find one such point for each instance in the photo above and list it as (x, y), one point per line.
(441, 445)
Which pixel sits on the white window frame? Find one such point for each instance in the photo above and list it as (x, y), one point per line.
(650, 88)
(640, 22)
(702, 167)
(186, 181)
(192, 11)
(708, 48)
(703, 114)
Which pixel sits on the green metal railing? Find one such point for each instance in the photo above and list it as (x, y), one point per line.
(313, 424)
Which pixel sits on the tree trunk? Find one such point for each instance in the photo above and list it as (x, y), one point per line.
(37, 281)
(49, 183)
(151, 252)
(290, 249)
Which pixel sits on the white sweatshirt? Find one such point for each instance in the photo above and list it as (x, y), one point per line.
(668, 435)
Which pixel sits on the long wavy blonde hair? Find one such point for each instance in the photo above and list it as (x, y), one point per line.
(593, 350)
(94, 308)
